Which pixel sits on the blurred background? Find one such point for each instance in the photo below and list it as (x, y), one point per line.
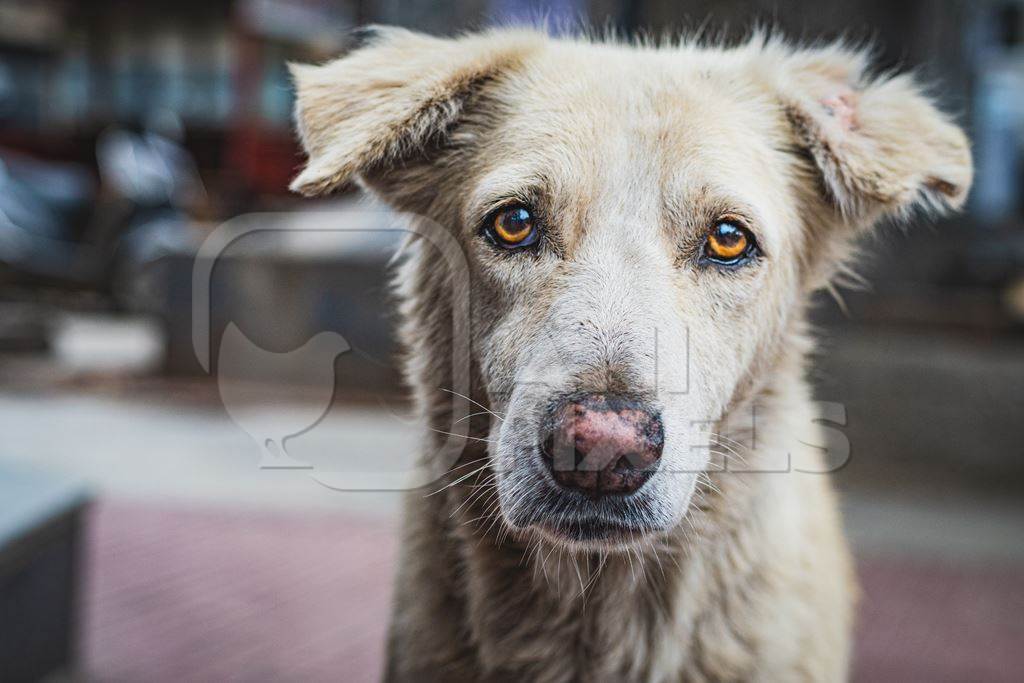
(152, 528)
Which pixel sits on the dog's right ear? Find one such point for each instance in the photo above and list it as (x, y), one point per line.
(880, 145)
(391, 96)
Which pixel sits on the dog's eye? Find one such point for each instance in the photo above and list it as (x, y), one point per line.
(512, 227)
(729, 244)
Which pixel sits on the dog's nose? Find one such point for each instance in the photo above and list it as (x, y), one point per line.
(603, 444)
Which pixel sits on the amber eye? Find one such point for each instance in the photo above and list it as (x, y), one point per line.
(512, 227)
(729, 244)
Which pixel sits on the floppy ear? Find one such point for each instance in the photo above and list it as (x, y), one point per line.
(880, 146)
(390, 97)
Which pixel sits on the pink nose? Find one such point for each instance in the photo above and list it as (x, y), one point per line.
(604, 444)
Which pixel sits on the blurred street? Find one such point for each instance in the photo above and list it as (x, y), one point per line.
(173, 443)
(190, 539)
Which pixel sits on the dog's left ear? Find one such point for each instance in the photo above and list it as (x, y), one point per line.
(880, 146)
(390, 97)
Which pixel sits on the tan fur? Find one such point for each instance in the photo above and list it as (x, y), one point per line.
(630, 153)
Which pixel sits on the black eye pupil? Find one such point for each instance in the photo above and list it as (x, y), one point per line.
(728, 234)
(516, 217)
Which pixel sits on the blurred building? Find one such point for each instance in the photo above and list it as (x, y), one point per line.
(69, 69)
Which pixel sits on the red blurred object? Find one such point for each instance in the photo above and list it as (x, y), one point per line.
(264, 160)
(185, 594)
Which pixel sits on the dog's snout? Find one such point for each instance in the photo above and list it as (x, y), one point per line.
(602, 444)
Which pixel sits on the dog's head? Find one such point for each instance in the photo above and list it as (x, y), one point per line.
(643, 228)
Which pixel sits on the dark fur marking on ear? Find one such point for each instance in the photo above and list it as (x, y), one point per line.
(432, 124)
(812, 149)
(943, 186)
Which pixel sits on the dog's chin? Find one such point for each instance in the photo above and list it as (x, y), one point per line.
(594, 535)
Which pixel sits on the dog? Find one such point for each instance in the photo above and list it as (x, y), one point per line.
(640, 496)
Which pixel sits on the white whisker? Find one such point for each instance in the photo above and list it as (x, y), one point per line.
(462, 436)
(476, 403)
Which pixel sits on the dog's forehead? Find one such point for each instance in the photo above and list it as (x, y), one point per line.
(603, 126)
(596, 106)
(617, 86)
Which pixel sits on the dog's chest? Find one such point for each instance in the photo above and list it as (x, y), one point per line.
(631, 623)
(537, 624)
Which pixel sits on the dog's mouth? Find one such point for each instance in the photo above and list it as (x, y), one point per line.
(579, 522)
(593, 533)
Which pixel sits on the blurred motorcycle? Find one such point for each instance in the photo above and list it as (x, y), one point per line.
(59, 231)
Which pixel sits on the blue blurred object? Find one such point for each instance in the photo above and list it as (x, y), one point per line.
(40, 530)
(557, 14)
(998, 115)
(59, 231)
(999, 119)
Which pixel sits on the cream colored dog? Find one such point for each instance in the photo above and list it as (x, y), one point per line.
(644, 227)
